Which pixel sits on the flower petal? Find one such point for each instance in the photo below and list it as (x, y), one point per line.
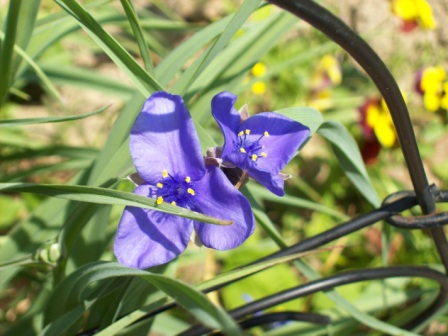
(219, 198)
(227, 118)
(285, 138)
(147, 238)
(272, 181)
(163, 137)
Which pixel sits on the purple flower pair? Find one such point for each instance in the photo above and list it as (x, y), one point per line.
(167, 155)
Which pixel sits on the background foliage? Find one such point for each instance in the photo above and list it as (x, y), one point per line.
(73, 77)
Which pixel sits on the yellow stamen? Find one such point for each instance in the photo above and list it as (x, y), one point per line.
(190, 191)
(241, 133)
(164, 173)
(188, 179)
(173, 203)
(254, 157)
(159, 185)
(247, 131)
(266, 134)
(159, 200)
(263, 154)
(242, 150)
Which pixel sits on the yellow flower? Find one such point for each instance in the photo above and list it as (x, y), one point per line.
(418, 11)
(259, 69)
(377, 118)
(258, 88)
(327, 73)
(433, 86)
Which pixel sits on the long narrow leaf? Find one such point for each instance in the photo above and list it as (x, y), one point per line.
(135, 25)
(7, 48)
(347, 152)
(192, 73)
(143, 80)
(107, 196)
(30, 121)
(71, 291)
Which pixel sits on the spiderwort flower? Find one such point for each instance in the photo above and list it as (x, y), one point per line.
(166, 153)
(260, 145)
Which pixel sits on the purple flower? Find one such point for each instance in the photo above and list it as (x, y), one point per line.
(260, 145)
(167, 155)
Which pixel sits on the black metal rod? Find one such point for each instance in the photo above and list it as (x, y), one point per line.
(282, 317)
(391, 208)
(342, 34)
(341, 279)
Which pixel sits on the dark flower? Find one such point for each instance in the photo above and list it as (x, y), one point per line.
(260, 145)
(167, 155)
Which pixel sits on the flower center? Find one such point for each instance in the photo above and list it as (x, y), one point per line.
(250, 147)
(176, 190)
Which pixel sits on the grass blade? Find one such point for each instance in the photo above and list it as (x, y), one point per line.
(135, 25)
(7, 48)
(143, 80)
(107, 196)
(30, 121)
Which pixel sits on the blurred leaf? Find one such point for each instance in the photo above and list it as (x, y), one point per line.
(29, 121)
(347, 152)
(266, 195)
(86, 79)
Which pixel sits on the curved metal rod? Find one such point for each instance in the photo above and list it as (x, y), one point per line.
(399, 204)
(418, 222)
(339, 32)
(340, 279)
(282, 317)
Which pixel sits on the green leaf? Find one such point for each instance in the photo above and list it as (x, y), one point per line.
(135, 25)
(192, 73)
(306, 115)
(347, 152)
(143, 80)
(71, 291)
(220, 279)
(30, 121)
(107, 196)
(7, 48)
(265, 194)
(177, 58)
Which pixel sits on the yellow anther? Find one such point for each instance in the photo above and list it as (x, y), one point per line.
(266, 134)
(263, 154)
(159, 185)
(247, 131)
(242, 150)
(254, 157)
(159, 200)
(241, 133)
(164, 173)
(190, 191)
(173, 203)
(188, 179)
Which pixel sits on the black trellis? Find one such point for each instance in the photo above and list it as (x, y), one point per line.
(424, 195)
